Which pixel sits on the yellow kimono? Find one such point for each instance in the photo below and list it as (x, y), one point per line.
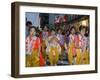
(82, 53)
(85, 57)
(53, 50)
(44, 49)
(44, 43)
(32, 59)
(74, 53)
(71, 49)
(53, 55)
(70, 53)
(78, 56)
(85, 51)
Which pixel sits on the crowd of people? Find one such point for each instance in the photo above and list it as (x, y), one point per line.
(50, 45)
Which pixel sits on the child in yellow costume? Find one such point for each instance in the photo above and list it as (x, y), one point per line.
(78, 49)
(45, 35)
(61, 41)
(71, 46)
(32, 49)
(78, 56)
(53, 50)
(44, 49)
(83, 46)
(70, 54)
(85, 57)
(33, 59)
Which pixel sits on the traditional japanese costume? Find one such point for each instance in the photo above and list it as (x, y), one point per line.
(67, 38)
(65, 18)
(44, 43)
(57, 22)
(84, 49)
(61, 39)
(53, 50)
(61, 43)
(32, 51)
(78, 49)
(82, 53)
(71, 49)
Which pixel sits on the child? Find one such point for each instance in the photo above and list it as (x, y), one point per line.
(45, 35)
(60, 37)
(71, 46)
(61, 41)
(28, 25)
(83, 45)
(52, 34)
(32, 49)
(57, 22)
(78, 49)
(53, 50)
(67, 37)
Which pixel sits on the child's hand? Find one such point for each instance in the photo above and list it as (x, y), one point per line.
(53, 53)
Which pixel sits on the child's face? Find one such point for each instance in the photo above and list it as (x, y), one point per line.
(73, 31)
(53, 32)
(45, 28)
(29, 25)
(54, 41)
(32, 31)
(59, 31)
(83, 32)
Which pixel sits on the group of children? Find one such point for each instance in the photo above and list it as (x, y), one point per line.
(78, 47)
(51, 45)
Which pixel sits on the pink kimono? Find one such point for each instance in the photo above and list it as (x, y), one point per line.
(32, 43)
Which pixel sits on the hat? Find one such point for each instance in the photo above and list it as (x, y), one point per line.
(54, 38)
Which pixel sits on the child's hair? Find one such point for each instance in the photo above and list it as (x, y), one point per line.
(59, 29)
(28, 23)
(73, 27)
(82, 27)
(87, 32)
(31, 28)
(45, 25)
(52, 30)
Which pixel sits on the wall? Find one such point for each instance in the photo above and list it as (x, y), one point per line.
(33, 17)
(51, 19)
(5, 40)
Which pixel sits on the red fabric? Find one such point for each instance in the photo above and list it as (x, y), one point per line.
(77, 40)
(36, 45)
(65, 18)
(30, 38)
(40, 37)
(74, 51)
(42, 62)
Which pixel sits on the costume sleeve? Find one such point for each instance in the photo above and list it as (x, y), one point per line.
(26, 44)
(48, 49)
(59, 48)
